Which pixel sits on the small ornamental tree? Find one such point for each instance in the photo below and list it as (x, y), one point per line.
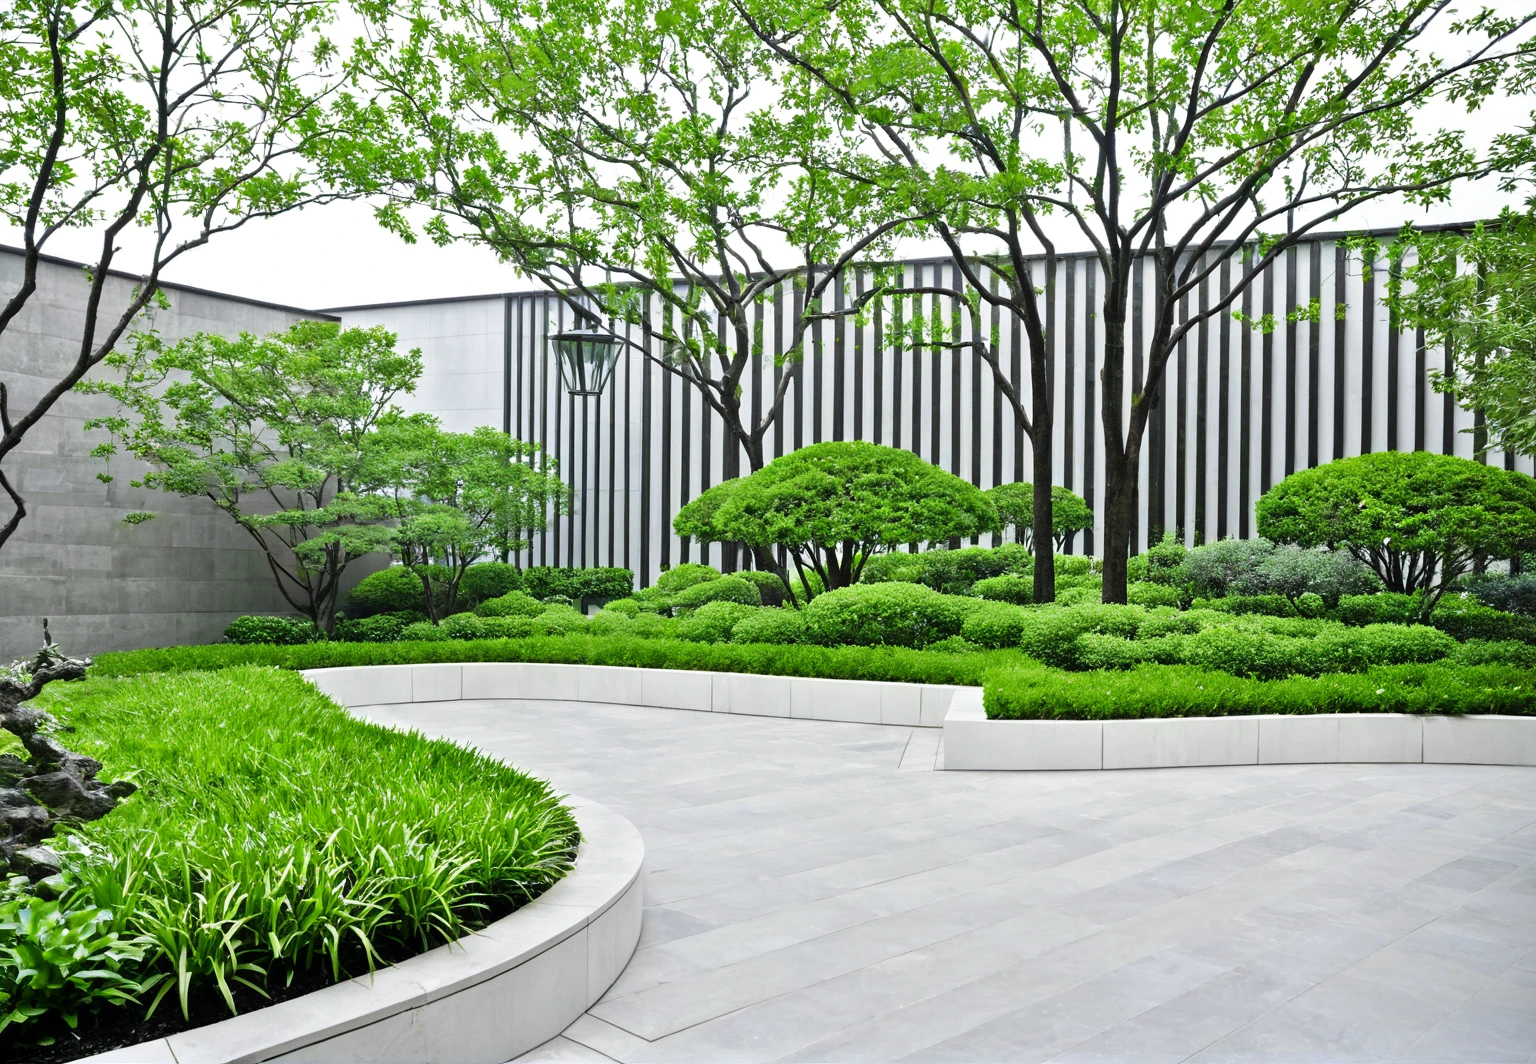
(460, 496)
(1015, 505)
(833, 506)
(1419, 520)
(273, 430)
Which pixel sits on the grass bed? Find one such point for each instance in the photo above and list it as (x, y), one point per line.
(276, 844)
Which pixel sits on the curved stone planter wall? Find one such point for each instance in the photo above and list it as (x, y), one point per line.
(971, 741)
(483, 1000)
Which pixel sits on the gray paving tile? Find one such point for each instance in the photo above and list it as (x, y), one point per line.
(816, 892)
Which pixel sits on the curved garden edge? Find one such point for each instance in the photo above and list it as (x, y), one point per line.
(971, 741)
(486, 998)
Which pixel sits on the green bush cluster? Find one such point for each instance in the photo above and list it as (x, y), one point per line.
(511, 604)
(1033, 693)
(261, 846)
(378, 628)
(546, 581)
(885, 614)
(281, 631)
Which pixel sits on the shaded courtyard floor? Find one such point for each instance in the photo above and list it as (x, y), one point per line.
(817, 892)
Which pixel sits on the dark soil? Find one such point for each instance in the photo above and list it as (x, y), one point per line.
(126, 1026)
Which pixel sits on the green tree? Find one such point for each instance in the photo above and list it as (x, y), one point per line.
(459, 497)
(645, 174)
(1210, 138)
(1419, 520)
(1015, 504)
(184, 118)
(279, 432)
(833, 506)
(1475, 293)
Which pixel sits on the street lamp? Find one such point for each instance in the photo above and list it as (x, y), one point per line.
(586, 359)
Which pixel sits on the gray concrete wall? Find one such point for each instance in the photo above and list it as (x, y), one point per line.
(103, 584)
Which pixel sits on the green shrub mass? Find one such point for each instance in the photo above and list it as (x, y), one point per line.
(273, 836)
(284, 631)
(487, 580)
(771, 626)
(391, 590)
(684, 576)
(895, 614)
(379, 628)
(1031, 693)
(546, 581)
(713, 621)
(511, 604)
(726, 588)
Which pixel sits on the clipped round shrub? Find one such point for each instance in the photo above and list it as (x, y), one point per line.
(1096, 651)
(508, 627)
(462, 626)
(1495, 652)
(771, 626)
(391, 590)
(511, 604)
(1163, 622)
(627, 606)
(683, 576)
(1146, 593)
(1070, 565)
(770, 589)
(278, 631)
(896, 567)
(1311, 605)
(609, 622)
(651, 626)
(908, 615)
(561, 620)
(1050, 632)
(380, 628)
(423, 632)
(1465, 618)
(488, 580)
(994, 624)
(1019, 590)
(1161, 563)
(725, 589)
(1244, 651)
(1385, 608)
(713, 621)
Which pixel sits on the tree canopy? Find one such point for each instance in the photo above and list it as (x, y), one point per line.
(833, 506)
(1419, 520)
(1475, 294)
(278, 431)
(1015, 504)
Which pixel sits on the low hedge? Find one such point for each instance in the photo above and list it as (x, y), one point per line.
(896, 664)
(1034, 693)
(1017, 687)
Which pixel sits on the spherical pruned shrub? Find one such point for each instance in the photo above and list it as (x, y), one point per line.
(1050, 632)
(1243, 651)
(1465, 618)
(896, 567)
(486, 581)
(462, 626)
(508, 627)
(909, 615)
(1311, 605)
(390, 590)
(1386, 608)
(627, 606)
(770, 589)
(652, 626)
(609, 622)
(1019, 590)
(995, 624)
(561, 620)
(423, 632)
(279, 631)
(512, 604)
(1096, 651)
(683, 576)
(1146, 593)
(771, 626)
(725, 589)
(380, 628)
(713, 621)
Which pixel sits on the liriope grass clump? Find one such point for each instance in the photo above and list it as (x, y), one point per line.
(276, 839)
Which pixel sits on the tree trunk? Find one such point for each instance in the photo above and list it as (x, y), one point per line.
(1119, 503)
(1045, 557)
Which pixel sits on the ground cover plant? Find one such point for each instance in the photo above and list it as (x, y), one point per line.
(276, 844)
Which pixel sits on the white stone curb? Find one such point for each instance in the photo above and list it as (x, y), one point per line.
(485, 999)
(859, 701)
(971, 741)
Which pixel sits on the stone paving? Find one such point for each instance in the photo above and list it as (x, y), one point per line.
(817, 892)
